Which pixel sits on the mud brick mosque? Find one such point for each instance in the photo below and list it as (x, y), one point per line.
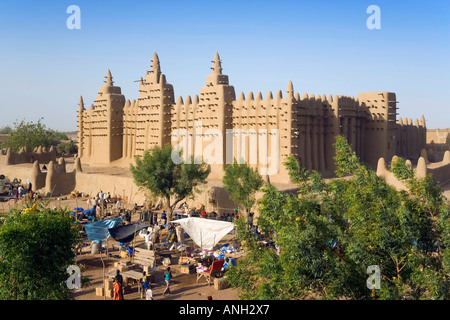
(264, 131)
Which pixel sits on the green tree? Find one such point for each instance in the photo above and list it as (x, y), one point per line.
(5, 130)
(35, 251)
(58, 136)
(156, 172)
(66, 148)
(330, 233)
(242, 183)
(29, 135)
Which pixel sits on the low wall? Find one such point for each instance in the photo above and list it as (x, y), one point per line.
(439, 136)
(92, 184)
(440, 171)
(39, 154)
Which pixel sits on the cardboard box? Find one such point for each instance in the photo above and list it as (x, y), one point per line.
(186, 260)
(100, 291)
(122, 268)
(187, 268)
(108, 284)
(220, 283)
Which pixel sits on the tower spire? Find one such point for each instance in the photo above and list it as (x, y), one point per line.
(155, 68)
(290, 89)
(217, 65)
(422, 121)
(109, 80)
(81, 103)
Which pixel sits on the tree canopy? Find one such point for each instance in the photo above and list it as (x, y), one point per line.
(66, 148)
(30, 135)
(242, 183)
(330, 234)
(5, 130)
(36, 247)
(156, 172)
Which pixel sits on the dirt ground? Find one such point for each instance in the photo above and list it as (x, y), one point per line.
(183, 286)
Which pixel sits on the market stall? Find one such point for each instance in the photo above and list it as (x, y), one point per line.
(205, 233)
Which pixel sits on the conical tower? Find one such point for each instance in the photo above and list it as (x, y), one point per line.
(109, 79)
(217, 65)
(153, 115)
(216, 104)
(105, 137)
(80, 126)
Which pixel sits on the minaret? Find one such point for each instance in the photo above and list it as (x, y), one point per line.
(290, 90)
(216, 77)
(422, 121)
(80, 126)
(107, 129)
(422, 132)
(109, 80)
(156, 97)
(216, 104)
(217, 65)
(156, 67)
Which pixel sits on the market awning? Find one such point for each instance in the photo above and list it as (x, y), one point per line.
(98, 231)
(127, 232)
(206, 233)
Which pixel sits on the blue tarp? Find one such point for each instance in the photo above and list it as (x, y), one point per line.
(99, 231)
(86, 214)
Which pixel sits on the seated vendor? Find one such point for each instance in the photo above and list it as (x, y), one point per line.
(229, 262)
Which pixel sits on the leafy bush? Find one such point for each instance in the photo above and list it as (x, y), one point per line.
(67, 148)
(35, 250)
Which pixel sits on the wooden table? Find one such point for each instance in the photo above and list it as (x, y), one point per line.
(129, 274)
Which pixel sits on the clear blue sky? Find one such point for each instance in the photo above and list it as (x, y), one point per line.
(324, 47)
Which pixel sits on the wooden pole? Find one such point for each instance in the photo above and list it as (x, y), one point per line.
(103, 270)
(135, 230)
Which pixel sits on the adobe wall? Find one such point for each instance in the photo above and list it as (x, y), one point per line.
(40, 154)
(438, 141)
(439, 170)
(441, 136)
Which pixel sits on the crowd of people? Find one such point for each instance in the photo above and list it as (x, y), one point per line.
(21, 192)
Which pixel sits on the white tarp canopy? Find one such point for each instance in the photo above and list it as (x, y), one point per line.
(205, 233)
